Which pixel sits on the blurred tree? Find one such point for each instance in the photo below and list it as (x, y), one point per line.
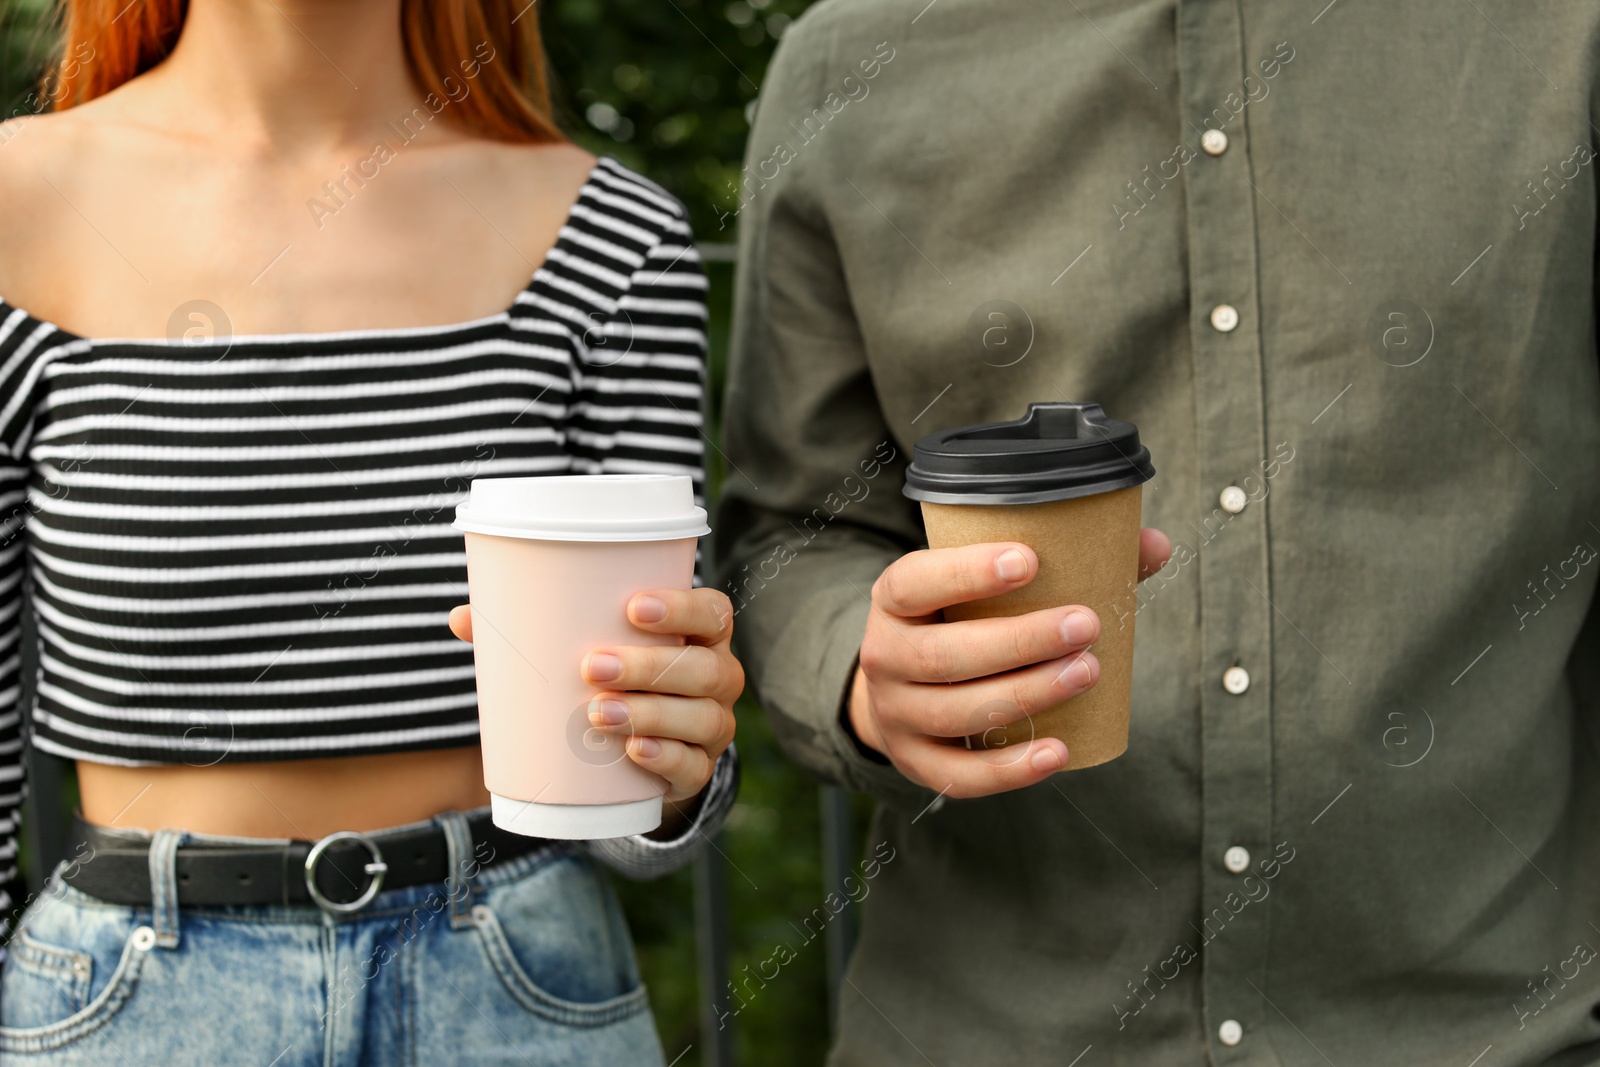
(22, 47)
(667, 86)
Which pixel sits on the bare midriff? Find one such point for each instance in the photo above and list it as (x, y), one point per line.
(304, 799)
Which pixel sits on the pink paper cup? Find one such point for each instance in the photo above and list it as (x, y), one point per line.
(551, 565)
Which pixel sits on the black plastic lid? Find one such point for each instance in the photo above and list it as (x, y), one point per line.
(1056, 452)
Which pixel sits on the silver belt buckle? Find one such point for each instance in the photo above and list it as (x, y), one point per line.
(377, 869)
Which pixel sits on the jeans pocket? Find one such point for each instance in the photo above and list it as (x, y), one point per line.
(557, 940)
(59, 978)
(532, 996)
(45, 1001)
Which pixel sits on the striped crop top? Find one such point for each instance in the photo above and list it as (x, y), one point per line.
(242, 549)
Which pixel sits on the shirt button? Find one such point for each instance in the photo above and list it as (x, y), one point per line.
(1230, 1033)
(1233, 500)
(1236, 859)
(1224, 317)
(1236, 680)
(1215, 142)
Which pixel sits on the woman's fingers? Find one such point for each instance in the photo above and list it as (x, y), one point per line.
(704, 615)
(673, 707)
(687, 768)
(461, 621)
(685, 670)
(697, 720)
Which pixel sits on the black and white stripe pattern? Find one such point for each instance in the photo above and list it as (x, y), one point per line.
(241, 549)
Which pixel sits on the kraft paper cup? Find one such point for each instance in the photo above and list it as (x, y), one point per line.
(551, 565)
(1066, 481)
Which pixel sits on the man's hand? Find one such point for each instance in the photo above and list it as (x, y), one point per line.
(925, 685)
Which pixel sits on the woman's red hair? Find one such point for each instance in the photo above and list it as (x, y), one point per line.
(484, 44)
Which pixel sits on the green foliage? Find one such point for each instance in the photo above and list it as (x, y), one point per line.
(22, 47)
(666, 87)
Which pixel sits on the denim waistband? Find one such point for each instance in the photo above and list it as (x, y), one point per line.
(136, 835)
(477, 872)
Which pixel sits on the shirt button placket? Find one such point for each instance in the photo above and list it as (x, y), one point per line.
(1236, 619)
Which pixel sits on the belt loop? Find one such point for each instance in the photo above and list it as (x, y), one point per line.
(164, 885)
(458, 855)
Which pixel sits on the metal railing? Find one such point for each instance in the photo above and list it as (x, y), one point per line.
(711, 882)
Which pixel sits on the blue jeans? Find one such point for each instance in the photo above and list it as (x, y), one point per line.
(525, 963)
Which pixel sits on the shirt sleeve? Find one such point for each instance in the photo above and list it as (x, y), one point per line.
(643, 857)
(640, 382)
(811, 512)
(13, 513)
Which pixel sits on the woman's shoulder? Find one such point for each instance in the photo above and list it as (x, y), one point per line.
(630, 215)
(639, 200)
(43, 159)
(563, 177)
(36, 147)
(31, 148)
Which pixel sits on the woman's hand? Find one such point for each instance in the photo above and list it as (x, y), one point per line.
(674, 703)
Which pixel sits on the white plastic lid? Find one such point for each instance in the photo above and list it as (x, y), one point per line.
(585, 507)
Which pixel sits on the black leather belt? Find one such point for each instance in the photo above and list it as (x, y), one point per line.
(345, 870)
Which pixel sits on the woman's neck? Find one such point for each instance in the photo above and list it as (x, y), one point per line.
(288, 79)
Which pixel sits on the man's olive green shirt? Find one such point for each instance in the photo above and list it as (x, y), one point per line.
(1358, 821)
